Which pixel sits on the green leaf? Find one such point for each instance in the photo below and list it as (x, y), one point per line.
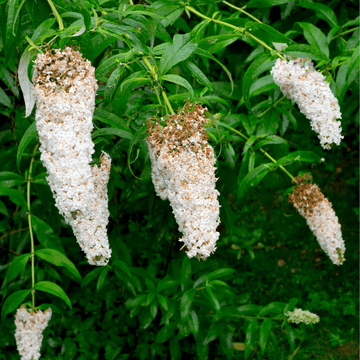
(30, 133)
(215, 43)
(91, 276)
(205, 53)
(102, 278)
(249, 143)
(45, 234)
(274, 307)
(305, 51)
(290, 336)
(7, 175)
(17, 266)
(213, 298)
(162, 301)
(322, 12)
(272, 34)
(13, 301)
(165, 333)
(112, 83)
(53, 289)
(258, 66)
(179, 51)
(265, 3)
(107, 64)
(307, 156)
(163, 285)
(179, 81)
(253, 178)
(288, 115)
(270, 140)
(4, 210)
(26, 86)
(111, 119)
(57, 258)
(250, 337)
(219, 273)
(122, 266)
(353, 66)
(134, 82)
(4, 99)
(194, 70)
(249, 309)
(15, 196)
(194, 323)
(11, 8)
(264, 334)
(111, 131)
(315, 37)
(186, 301)
(185, 273)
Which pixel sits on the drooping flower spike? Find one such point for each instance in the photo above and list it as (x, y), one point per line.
(28, 334)
(65, 89)
(183, 171)
(320, 216)
(300, 82)
(299, 316)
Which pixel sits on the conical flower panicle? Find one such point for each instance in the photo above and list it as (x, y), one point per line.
(183, 171)
(29, 329)
(65, 89)
(321, 218)
(299, 316)
(90, 231)
(300, 82)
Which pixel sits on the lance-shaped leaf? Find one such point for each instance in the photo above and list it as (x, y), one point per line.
(179, 81)
(258, 66)
(307, 156)
(17, 266)
(264, 333)
(26, 86)
(253, 178)
(315, 37)
(179, 51)
(322, 11)
(13, 302)
(30, 133)
(57, 258)
(194, 70)
(53, 289)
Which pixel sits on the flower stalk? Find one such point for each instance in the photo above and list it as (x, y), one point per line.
(30, 229)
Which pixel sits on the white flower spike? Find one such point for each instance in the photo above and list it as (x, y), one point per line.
(300, 82)
(183, 171)
(302, 316)
(29, 329)
(65, 89)
(321, 218)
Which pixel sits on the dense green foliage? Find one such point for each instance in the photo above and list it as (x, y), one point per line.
(151, 301)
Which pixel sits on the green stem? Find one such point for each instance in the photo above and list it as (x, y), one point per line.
(57, 15)
(243, 11)
(273, 106)
(345, 32)
(262, 150)
(30, 229)
(33, 46)
(237, 29)
(214, 20)
(155, 77)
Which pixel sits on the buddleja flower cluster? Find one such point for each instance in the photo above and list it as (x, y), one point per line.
(65, 89)
(320, 216)
(29, 329)
(183, 171)
(302, 316)
(300, 82)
